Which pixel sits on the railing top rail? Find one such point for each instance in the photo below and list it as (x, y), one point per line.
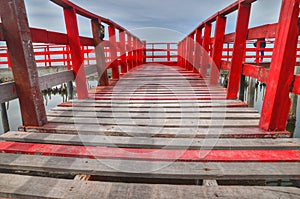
(226, 11)
(88, 14)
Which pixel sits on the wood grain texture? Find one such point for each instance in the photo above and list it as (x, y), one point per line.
(17, 186)
(150, 169)
(142, 142)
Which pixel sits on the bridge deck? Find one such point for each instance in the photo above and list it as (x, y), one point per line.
(157, 124)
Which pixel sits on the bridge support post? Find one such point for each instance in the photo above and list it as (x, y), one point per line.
(129, 51)
(198, 49)
(135, 55)
(238, 49)
(218, 49)
(123, 51)
(277, 103)
(75, 48)
(185, 53)
(113, 52)
(205, 56)
(18, 38)
(100, 55)
(190, 51)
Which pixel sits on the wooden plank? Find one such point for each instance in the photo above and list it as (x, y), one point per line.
(48, 81)
(162, 115)
(142, 142)
(150, 169)
(155, 109)
(149, 131)
(8, 92)
(17, 186)
(182, 122)
(179, 155)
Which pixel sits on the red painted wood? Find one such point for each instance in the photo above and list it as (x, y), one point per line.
(77, 58)
(19, 42)
(277, 102)
(190, 51)
(205, 57)
(135, 52)
(123, 52)
(129, 50)
(100, 54)
(258, 72)
(152, 154)
(198, 49)
(113, 52)
(218, 49)
(238, 50)
(296, 88)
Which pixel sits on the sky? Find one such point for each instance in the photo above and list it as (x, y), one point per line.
(155, 20)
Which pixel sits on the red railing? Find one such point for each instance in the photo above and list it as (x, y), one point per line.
(235, 52)
(121, 52)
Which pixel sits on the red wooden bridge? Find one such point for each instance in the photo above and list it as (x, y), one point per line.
(161, 126)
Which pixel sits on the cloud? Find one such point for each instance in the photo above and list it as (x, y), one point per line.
(176, 15)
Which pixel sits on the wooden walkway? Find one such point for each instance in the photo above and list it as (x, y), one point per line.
(156, 125)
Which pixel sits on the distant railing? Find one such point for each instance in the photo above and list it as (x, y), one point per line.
(165, 53)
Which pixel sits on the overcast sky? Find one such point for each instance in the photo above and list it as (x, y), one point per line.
(168, 19)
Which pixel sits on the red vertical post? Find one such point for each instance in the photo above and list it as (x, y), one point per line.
(218, 49)
(129, 47)
(205, 55)
(144, 52)
(99, 52)
(135, 54)
(186, 53)
(18, 38)
(123, 51)
(77, 58)
(190, 51)
(113, 52)
(168, 52)
(198, 48)
(277, 103)
(178, 54)
(238, 49)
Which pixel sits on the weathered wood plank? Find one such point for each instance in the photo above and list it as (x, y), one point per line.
(17, 186)
(162, 115)
(178, 155)
(155, 109)
(150, 169)
(142, 142)
(182, 122)
(148, 131)
(48, 81)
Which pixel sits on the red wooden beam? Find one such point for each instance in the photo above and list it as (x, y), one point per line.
(277, 103)
(129, 51)
(123, 52)
(217, 50)
(258, 72)
(198, 49)
(296, 88)
(152, 154)
(190, 51)
(75, 48)
(18, 38)
(205, 55)
(99, 52)
(238, 50)
(113, 52)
